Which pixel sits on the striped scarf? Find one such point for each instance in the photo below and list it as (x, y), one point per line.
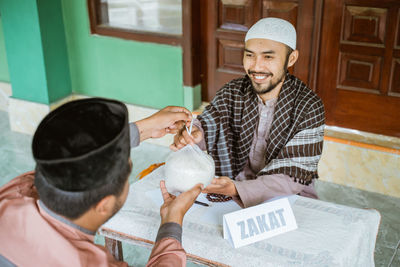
(294, 145)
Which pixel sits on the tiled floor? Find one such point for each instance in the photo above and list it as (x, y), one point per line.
(15, 158)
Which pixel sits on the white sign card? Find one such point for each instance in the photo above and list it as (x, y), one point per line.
(260, 222)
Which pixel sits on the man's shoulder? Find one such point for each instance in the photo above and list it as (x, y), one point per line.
(19, 187)
(304, 95)
(240, 80)
(24, 215)
(236, 85)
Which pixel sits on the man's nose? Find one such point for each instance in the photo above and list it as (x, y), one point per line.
(259, 64)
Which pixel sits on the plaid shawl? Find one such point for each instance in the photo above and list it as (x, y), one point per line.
(294, 145)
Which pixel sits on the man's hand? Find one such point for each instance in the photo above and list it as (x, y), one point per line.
(175, 208)
(182, 138)
(222, 185)
(167, 120)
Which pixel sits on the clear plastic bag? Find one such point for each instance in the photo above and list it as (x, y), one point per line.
(187, 167)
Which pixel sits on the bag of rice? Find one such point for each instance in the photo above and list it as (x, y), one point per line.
(187, 167)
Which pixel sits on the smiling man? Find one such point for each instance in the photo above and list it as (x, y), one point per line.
(264, 130)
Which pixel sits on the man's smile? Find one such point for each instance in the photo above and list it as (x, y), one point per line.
(259, 77)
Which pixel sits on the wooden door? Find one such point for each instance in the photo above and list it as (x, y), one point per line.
(359, 71)
(224, 26)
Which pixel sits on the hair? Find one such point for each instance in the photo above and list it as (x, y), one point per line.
(72, 205)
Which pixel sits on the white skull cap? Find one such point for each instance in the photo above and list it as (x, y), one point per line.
(274, 29)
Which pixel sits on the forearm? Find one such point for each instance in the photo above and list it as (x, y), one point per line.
(202, 143)
(168, 250)
(144, 129)
(254, 192)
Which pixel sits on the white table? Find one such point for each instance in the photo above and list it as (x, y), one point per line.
(328, 234)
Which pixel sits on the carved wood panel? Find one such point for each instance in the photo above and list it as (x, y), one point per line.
(394, 88)
(230, 55)
(287, 10)
(395, 78)
(361, 69)
(397, 43)
(235, 14)
(365, 25)
(360, 65)
(235, 17)
(359, 72)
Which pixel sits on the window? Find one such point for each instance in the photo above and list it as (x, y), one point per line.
(159, 16)
(158, 21)
(172, 22)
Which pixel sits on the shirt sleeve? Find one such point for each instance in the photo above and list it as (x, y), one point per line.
(23, 185)
(173, 230)
(6, 263)
(202, 143)
(168, 250)
(134, 134)
(254, 192)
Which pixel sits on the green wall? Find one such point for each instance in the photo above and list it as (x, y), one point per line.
(36, 49)
(4, 75)
(54, 49)
(134, 72)
(24, 51)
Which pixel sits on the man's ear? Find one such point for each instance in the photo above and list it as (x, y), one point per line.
(293, 58)
(105, 206)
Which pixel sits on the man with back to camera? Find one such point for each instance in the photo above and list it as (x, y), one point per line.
(264, 130)
(48, 217)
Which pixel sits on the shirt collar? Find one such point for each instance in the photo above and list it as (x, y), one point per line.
(64, 220)
(268, 103)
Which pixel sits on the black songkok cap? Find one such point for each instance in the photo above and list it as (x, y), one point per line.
(83, 144)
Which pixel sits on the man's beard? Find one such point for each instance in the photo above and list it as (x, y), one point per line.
(118, 205)
(258, 89)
